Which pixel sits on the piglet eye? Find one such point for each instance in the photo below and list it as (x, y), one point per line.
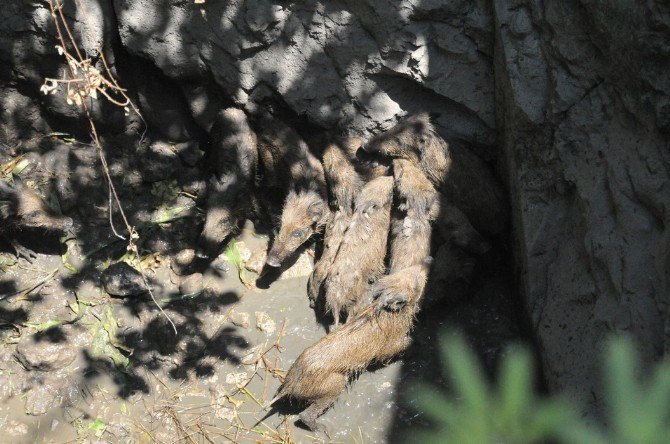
(297, 233)
(33, 214)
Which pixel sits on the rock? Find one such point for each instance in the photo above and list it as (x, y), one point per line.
(192, 182)
(159, 162)
(122, 280)
(302, 267)
(237, 378)
(243, 250)
(204, 102)
(539, 89)
(162, 103)
(239, 318)
(191, 284)
(182, 260)
(15, 428)
(585, 146)
(42, 397)
(5, 387)
(265, 323)
(22, 122)
(59, 158)
(257, 260)
(49, 351)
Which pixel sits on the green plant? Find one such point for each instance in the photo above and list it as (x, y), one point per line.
(637, 411)
(477, 413)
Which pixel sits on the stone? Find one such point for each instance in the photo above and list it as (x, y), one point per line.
(52, 350)
(182, 260)
(239, 318)
(191, 284)
(122, 280)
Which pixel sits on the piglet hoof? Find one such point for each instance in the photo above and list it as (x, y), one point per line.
(25, 253)
(391, 302)
(315, 426)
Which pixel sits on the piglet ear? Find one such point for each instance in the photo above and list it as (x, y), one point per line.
(316, 210)
(7, 209)
(5, 189)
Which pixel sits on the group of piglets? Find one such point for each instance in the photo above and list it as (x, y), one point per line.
(376, 204)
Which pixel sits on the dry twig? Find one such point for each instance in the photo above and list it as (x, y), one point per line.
(83, 86)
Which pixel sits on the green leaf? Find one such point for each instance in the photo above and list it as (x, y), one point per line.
(466, 374)
(171, 214)
(98, 426)
(21, 165)
(44, 325)
(579, 433)
(433, 404)
(622, 393)
(515, 395)
(233, 254)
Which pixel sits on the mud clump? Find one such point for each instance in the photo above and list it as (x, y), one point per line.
(158, 162)
(22, 208)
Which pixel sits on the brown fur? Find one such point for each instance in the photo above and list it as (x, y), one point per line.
(333, 236)
(21, 207)
(344, 182)
(286, 158)
(416, 194)
(411, 227)
(235, 160)
(410, 242)
(305, 212)
(402, 287)
(290, 168)
(360, 257)
(462, 176)
(325, 368)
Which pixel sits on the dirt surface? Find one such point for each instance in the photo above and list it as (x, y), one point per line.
(80, 365)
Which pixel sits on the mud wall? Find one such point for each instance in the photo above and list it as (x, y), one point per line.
(569, 101)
